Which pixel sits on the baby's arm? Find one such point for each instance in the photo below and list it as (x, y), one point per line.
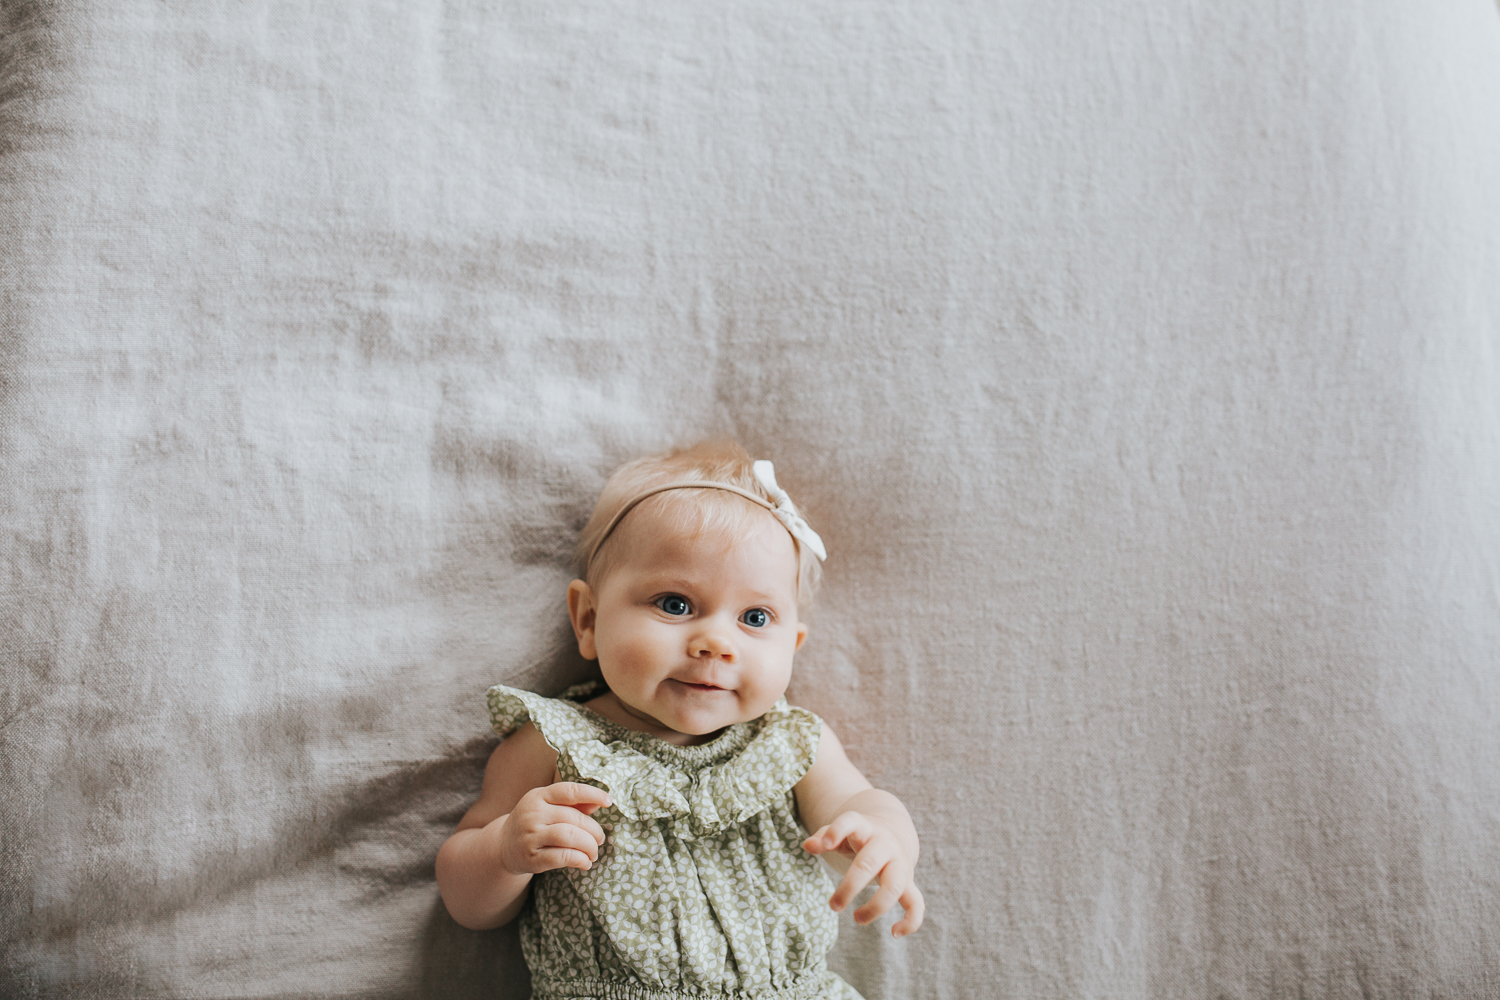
(524, 823)
(858, 821)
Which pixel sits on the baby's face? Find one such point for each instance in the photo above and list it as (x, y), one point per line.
(696, 633)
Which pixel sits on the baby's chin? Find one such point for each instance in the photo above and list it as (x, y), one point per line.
(703, 726)
(700, 728)
(682, 728)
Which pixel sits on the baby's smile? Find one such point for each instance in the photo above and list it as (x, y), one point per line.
(695, 631)
(700, 687)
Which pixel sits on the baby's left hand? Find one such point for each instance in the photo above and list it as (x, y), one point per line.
(877, 854)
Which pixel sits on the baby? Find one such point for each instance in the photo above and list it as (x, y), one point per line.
(658, 819)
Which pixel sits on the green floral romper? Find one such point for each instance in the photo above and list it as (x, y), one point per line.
(702, 889)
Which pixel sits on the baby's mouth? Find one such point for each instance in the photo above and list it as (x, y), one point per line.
(700, 687)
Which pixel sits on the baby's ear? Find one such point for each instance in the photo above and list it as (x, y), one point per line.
(581, 612)
(801, 635)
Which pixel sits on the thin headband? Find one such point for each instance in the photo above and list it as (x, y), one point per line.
(765, 474)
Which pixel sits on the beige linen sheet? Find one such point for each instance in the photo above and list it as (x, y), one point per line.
(1137, 363)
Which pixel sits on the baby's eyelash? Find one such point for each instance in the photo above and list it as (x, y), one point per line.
(674, 604)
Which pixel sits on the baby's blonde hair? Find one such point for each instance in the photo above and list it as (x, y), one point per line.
(705, 510)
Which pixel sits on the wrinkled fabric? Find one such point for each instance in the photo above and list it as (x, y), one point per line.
(1136, 362)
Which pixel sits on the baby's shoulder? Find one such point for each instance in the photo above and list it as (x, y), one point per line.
(525, 749)
(521, 762)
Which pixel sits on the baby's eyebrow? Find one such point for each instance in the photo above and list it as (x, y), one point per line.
(765, 598)
(667, 583)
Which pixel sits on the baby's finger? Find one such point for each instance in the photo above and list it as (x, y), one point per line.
(866, 866)
(892, 885)
(583, 797)
(591, 826)
(569, 836)
(571, 816)
(844, 826)
(549, 858)
(912, 903)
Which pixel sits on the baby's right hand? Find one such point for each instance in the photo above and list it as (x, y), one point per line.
(551, 828)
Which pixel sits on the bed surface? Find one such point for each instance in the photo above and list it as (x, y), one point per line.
(1137, 365)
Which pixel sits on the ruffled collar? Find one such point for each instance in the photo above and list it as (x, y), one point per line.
(704, 788)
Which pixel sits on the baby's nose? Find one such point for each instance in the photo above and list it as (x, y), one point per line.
(713, 644)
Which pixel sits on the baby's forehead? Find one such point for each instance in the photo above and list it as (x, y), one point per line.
(658, 536)
(658, 530)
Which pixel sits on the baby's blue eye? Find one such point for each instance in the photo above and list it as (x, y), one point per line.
(756, 618)
(674, 604)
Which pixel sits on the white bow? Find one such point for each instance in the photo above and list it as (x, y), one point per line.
(785, 510)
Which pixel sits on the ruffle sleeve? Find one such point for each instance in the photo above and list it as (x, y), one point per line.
(561, 723)
(774, 753)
